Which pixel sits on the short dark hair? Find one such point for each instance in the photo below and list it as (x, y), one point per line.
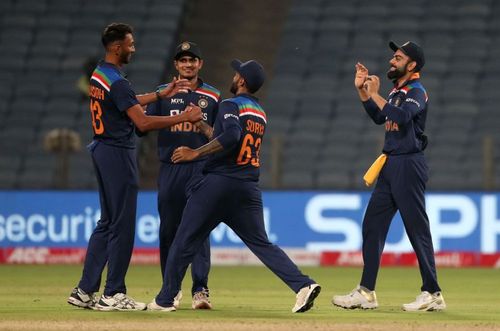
(115, 32)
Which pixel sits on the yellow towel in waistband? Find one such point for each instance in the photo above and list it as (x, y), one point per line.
(372, 173)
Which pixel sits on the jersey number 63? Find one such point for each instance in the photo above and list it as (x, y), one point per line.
(249, 152)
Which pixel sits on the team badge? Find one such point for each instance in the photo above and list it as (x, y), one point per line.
(203, 103)
(397, 102)
(185, 46)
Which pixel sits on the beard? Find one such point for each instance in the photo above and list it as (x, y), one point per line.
(125, 57)
(234, 88)
(396, 74)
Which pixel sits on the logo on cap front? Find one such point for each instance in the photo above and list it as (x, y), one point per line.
(185, 46)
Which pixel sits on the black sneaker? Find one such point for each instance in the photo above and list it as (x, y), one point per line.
(81, 299)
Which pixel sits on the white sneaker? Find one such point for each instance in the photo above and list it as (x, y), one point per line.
(119, 301)
(201, 300)
(81, 299)
(360, 297)
(177, 299)
(426, 302)
(305, 298)
(156, 307)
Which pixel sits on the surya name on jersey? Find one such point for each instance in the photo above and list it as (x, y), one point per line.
(185, 126)
(255, 127)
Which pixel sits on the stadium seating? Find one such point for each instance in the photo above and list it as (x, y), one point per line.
(324, 138)
(328, 140)
(45, 44)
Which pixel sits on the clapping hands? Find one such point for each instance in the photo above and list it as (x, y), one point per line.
(370, 83)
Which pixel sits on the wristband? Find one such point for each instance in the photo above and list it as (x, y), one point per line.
(158, 96)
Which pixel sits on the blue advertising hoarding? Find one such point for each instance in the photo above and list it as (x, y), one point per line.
(316, 221)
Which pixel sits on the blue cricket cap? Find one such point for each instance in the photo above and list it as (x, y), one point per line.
(252, 72)
(412, 50)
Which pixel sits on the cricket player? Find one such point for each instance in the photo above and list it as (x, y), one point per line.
(176, 179)
(116, 111)
(402, 179)
(230, 191)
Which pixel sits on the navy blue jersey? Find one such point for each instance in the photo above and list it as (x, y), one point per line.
(184, 134)
(240, 157)
(404, 117)
(110, 97)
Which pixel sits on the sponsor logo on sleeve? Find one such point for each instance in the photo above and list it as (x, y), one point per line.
(413, 101)
(226, 116)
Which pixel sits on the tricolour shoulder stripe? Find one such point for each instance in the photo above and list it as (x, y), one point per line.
(211, 88)
(409, 87)
(208, 94)
(101, 82)
(252, 113)
(251, 109)
(251, 106)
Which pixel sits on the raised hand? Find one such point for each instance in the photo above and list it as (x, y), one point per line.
(372, 84)
(361, 75)
(174, 87)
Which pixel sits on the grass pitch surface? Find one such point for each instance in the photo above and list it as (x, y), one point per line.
(251, 298)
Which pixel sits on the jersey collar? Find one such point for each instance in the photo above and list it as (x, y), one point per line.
(413, 77)
(248, 95)
(103, 63)
(200, 83)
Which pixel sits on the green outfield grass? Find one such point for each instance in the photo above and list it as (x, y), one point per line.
(251, 298)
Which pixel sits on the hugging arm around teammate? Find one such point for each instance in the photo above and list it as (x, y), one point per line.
(115, 113)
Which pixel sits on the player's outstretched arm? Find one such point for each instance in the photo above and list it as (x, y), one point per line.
(206, 129)
(230, 136)
(186, 154)
(226, 140)
(203, 126)
(147, 123)
(174, 87)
